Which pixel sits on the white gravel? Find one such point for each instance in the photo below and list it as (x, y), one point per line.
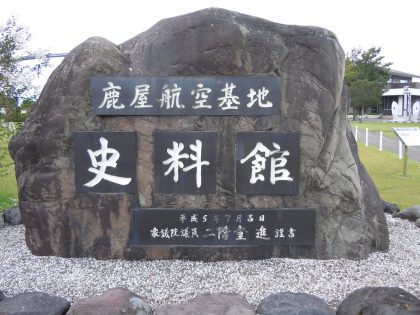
(163, 282)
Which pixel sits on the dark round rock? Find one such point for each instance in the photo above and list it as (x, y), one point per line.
(293, 304)
(209, 304)
(412, 214)
(113, 301)
(417, 223)
(2, 296)
(34, 303)
(379, 300)
(390, 207)
(12, 216)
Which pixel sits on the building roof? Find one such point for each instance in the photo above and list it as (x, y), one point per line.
(403, 74)
(394, 92)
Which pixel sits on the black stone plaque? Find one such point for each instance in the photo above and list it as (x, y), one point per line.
(267, 163)
(204, 227)
(185, 162)
(105, 162)
(183, 95)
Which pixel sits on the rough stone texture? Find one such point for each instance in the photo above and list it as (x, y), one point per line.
(293, 304)
(412, 214)
(34, 303)
(113, 302)
(379, 300)
(390, 207)
(350, 219)
(210, 304)
(2, 296)
(12, 216)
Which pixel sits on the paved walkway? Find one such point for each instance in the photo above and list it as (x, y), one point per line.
(388, 144)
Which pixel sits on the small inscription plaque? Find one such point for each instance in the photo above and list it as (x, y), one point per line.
(105, 162)
(202, 227)
(187, 96)
(185, 162)
(267, 163)
(410, 136)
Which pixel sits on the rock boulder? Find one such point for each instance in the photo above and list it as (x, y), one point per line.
(211, 42)
(411, 214)
(379, 300)
(293, 304)
(34, 303)
(390, 207)
(209, 304)
(112, 302)
(12, 216)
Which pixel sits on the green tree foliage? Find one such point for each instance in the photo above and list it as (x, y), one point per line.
(366, 76)
(17, 92)
(16, 74)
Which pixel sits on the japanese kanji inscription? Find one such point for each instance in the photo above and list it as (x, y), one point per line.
(105, 161)
(223, 227)
(185, 162)
(267, 163)
(167, 96)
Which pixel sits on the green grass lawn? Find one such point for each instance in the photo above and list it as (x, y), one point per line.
(386, 127)
(8, 186)
(386, 170)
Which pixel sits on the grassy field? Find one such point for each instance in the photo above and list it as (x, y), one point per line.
(386, 127)
(386, 170)
(8, 190)
(8, 187)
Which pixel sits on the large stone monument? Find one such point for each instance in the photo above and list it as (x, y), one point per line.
(213, 135)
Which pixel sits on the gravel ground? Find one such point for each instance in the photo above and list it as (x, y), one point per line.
(163, 282)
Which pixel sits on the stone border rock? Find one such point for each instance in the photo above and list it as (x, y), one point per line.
(411, 214)
(293, 303)
(379, 300)
(389, 207)
(34, 303)
(12, 216)
(392, 301)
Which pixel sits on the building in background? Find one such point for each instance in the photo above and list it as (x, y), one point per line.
(401, 94)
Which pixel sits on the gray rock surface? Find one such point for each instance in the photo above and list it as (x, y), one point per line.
(379, 300)
(211, 42)
(1, 220)
(390, 207)
(12, 216)
(293, 304)
(417, 223)
(210, 304)
(113, 302)
(412, 214)
(34, 303)
(2, 296)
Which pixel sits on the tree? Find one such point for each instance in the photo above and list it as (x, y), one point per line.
(366, 76)
(16, 87)
(17, 75)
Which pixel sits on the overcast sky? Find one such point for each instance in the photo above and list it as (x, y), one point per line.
(58, 26)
